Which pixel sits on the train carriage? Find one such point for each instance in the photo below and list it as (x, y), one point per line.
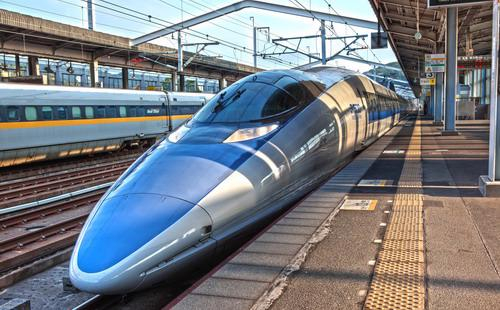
(49, 122)
(251, 151)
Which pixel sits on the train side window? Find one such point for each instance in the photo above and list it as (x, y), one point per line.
(140, 111)
(30, 113)
(100, 112)
(123, 111)
(111, 112)
(47, 113)
(62, 113)
(12, 113)
(76, 112)
(89, 112)
(132, 111)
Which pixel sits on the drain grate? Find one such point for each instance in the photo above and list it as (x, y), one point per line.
(398, 279)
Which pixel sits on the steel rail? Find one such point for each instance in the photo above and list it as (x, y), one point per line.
(46, 188)
(49, 177)
(42, 233)
(36, 169)
(56, 207)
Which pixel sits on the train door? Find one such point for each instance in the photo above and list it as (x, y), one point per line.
(372, 116)
(359, 124)
(362, 120)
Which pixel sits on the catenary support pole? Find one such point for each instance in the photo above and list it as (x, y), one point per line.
(180, 63)
(323, 43)
(254, 43)
(451, 69)
(90, 14)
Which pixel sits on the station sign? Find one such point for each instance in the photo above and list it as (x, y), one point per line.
(435, 63)
(378, 40)
(427, 82)
(451, 3)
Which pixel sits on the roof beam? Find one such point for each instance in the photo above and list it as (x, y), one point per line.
(356, 22)
(407, 32)
(427, 49)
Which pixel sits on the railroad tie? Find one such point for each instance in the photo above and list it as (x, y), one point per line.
(398, 279)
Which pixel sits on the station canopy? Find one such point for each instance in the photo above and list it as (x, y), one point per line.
(402, 19)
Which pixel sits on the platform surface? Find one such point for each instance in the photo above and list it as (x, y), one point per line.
(324, 254)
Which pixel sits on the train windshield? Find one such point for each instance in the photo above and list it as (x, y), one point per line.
(249, 101)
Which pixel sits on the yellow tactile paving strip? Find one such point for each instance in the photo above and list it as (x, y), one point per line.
(398, 279)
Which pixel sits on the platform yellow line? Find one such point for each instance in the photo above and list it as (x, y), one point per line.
(398, 280)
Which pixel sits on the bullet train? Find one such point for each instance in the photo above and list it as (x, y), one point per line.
(39, 122)
(251, 151)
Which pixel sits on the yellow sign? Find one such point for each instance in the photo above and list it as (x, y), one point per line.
(427, 82)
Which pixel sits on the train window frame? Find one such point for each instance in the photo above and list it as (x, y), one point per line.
(47, 109)
(111, 112)
(122, 111)
(140, 111)
(60, 109)
(100, 112)
(17, 115)
(73, 115)
(132, 111)
(32, 109)
(89, 112)
(293, 88)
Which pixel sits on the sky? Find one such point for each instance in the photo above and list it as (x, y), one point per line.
(132, 18)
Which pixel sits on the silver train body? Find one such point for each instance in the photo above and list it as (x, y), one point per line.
(39, 122)
(255, 148)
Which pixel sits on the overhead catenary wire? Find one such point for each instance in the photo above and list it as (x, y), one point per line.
(190, 31)
(219, 26)
(165, 23)
(130, 17)
(86, 43)
(152, 19)
(229, 18)
(61, 15)
(297, 2)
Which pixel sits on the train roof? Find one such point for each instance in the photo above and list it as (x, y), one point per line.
(69, 89)
(326, 75)
(29, 93)
(332, 75)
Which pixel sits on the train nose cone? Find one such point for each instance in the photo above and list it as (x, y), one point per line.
(119, 227)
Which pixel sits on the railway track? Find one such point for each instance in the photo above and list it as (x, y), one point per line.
(43, 214)
(42, 168)
(32, 234)
(35, 188)
(45, 209)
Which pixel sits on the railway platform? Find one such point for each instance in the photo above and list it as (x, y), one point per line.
(403, 226)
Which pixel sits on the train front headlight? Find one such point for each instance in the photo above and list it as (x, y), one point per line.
(244, 134)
